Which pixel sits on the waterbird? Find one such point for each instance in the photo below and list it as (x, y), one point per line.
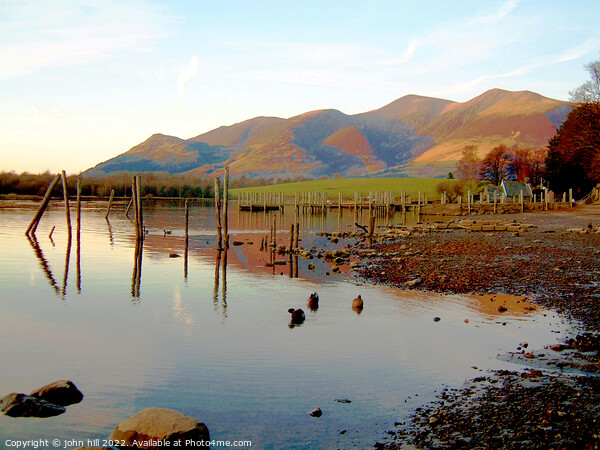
(358, 303)
(313, 301)
(167, 232)
(297, 315)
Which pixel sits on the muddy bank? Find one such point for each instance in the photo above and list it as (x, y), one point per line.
(554, 401)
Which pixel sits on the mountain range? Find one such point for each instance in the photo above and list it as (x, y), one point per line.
(412, 136)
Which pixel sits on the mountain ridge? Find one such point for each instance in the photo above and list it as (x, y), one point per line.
(411, 136)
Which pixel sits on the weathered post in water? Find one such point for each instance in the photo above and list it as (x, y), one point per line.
(226, 206)
(187, 221)
(112, 195)
(38, 215)
(78, 207)
(218, 212)
(66, 197)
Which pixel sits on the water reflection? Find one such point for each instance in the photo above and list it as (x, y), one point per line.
(67, 259)
(43, 262)
(110, 234)
(221, 272)
(136, 278)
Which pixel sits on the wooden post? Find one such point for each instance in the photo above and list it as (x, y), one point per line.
(274, 231)
(135, 206)
(495, 199)
(469, 201)
(570, 196)
(187, 220)
(522, 200)
(296, 234)
(38, 215)
(218, 212)
(140, 214)
(226, 207)
(292, 226)
(66, 197)
(78, 207)
(112, 194)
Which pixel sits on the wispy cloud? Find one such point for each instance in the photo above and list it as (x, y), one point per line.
(38, 34)
(190, 71)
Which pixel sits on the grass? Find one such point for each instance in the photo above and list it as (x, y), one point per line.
(348, 186)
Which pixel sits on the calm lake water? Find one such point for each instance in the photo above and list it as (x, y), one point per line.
(208, 335)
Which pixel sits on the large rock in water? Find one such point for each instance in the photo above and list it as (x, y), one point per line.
(159, 424)
(21, 405)
(62, 392)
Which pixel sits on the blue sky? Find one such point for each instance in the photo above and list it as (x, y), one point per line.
(82, 81)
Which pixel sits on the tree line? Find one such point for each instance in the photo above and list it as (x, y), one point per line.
(155, 184)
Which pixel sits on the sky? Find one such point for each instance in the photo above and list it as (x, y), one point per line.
(82, 81)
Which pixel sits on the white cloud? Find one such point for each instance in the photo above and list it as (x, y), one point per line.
(190, 71)
(38, 34)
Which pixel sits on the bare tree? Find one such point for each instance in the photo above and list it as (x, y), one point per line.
(496, 165)
(588, 92)
(469, 164)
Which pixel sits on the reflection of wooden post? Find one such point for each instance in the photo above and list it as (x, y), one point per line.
(226, 206)
(112, 194)
(218, 212)
(292, 226)
(66, 197)
(38, 215)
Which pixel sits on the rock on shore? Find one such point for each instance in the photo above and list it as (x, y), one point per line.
(152, 426)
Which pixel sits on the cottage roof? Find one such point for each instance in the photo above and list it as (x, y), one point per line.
(514, 188)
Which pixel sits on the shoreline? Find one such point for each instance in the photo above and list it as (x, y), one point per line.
(554, 400)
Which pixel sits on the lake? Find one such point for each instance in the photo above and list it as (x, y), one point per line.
(208, 334)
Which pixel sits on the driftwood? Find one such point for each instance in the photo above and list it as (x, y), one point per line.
(361, 227)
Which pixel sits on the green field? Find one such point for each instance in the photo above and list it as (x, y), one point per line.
(348, 186)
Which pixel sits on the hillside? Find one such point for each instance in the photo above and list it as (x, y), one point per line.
(411, 136)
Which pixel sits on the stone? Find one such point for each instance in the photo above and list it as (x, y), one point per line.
(237, 243)
(174, 255)
(62, 392)
(22, 405)
(413, 283)
(154, 426)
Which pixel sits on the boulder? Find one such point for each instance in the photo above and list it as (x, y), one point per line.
(154, 426)
(62, 392)
(22, 405)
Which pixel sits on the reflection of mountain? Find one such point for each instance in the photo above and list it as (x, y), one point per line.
(412, 135)
(497, 306)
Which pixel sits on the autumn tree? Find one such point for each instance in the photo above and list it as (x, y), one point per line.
(574, 153)
(527, 164)
(469, 164)
(496, 165)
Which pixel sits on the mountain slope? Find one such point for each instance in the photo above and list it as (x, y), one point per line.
(413, 135)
